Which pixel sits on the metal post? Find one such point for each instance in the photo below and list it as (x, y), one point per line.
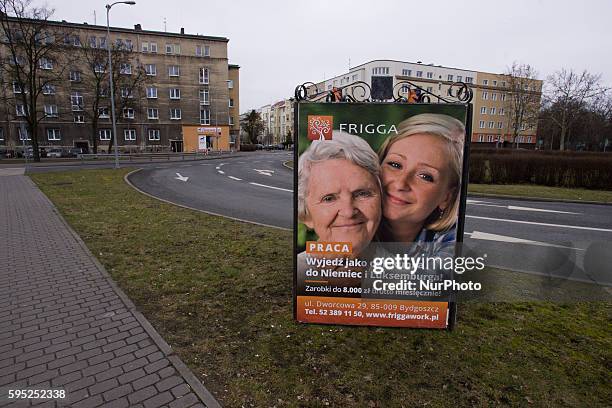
(110, 77)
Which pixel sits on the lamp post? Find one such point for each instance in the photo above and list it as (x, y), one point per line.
(110, 76)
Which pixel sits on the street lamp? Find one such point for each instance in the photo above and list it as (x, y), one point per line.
(110, 76)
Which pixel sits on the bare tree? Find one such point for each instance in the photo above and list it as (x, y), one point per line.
(522, 102)
(129, 79)
(568, 93)
(34, 62)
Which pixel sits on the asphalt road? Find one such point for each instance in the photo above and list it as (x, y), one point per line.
(548, 238)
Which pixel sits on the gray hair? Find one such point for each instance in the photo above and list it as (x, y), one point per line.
(452, 131)
(341, 146)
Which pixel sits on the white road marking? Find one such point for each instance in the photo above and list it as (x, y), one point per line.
(503, 238)
(206, 164)
(182, 178)
(220, 172)
(264, 172)
(186, 165)
(540, 223)
(218, 168)
(275, 188)
(518, 208)
(234, 178)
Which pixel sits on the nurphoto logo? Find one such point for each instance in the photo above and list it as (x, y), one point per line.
(320, 127)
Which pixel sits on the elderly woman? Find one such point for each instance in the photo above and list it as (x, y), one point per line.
(339, 193)
(421, 174)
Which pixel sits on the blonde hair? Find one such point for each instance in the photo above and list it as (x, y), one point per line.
(341, 146)
(452, 131)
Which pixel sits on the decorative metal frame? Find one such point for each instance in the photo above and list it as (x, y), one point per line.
(359, 91)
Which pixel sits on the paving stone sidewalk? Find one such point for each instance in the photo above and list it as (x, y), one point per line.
(64, 324)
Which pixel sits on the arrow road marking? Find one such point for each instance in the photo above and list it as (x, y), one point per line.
(485, 236)
(264, 172)
(275, 188)
(182, 178)
(540, 223)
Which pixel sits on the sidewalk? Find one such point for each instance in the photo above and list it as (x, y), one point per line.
(65, 325)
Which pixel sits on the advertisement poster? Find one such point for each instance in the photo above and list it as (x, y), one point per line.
(380, 203)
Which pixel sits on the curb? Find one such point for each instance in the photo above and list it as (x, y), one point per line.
(549, 200)
(129, 183)
(198, 388)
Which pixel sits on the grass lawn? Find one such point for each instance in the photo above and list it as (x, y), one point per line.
(528, 190)
(219, 292)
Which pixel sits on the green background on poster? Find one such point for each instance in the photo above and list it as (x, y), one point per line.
(360, 115)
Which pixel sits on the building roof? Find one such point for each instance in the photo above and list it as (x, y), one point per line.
(134, 30)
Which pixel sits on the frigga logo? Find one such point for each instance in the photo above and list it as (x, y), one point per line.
(320, 127)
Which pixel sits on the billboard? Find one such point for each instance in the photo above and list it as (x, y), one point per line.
(378, 212)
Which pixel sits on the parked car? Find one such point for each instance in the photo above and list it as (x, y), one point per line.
(55, 152)
(74, 152)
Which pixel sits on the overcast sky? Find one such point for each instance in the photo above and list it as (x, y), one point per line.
(282, 43)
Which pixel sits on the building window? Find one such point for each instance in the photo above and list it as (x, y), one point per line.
(145, 46)
(105, 134)
(231, 120)
(53, 134)
(231, 103)
(128, 44)
(153, 47)
(75, 76)
(491, 125)
(103, 92)
(129, 134)
(51, 111)
(76, 100)
(481, 124)
(126, 92)
(202, 51)
(174, 71)
(492, 111)
(485, 82)
(175, 113)
(230, 84)
(153, 113)
(380, 71)
(151, 69)
(528, 139)
(128, 113)
(45, 63)
(502, 111)
(500, 125)
(93, 42)
(102, 42)
(407, 72)
(175, 93)
(489, 138)
(1, 133)
(20, 110)
(429, 89)
(481, 138)
(483, 110)
(485, 95)
(503, 97)
(125, 69)
(204, 97)
(469, 80)
(151, 92)
(494, 96)
(449, 77)
(430, 75)
(459, 78)
(173, 49)
(355, 77)
(24, 133)
(48, 89)
(503, 84)
(104, 112)
(523, 126)
(154, 134)
(17, 88)
(204, 117)
(494, 83)
(419, 74)
(79, 118)
(99, 68)
(204, 75)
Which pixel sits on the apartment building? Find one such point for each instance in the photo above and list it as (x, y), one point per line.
(491, 122)
(190, 91)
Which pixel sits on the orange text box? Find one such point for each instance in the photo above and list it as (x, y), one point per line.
(335, 248)
(372, 312)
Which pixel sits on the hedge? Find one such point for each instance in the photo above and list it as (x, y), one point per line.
(559, 169)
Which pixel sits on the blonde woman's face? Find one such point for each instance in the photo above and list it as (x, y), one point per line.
(416, 173)
(343, 202)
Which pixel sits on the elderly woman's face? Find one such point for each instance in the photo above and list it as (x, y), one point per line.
(415, 175)
(343, 203)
